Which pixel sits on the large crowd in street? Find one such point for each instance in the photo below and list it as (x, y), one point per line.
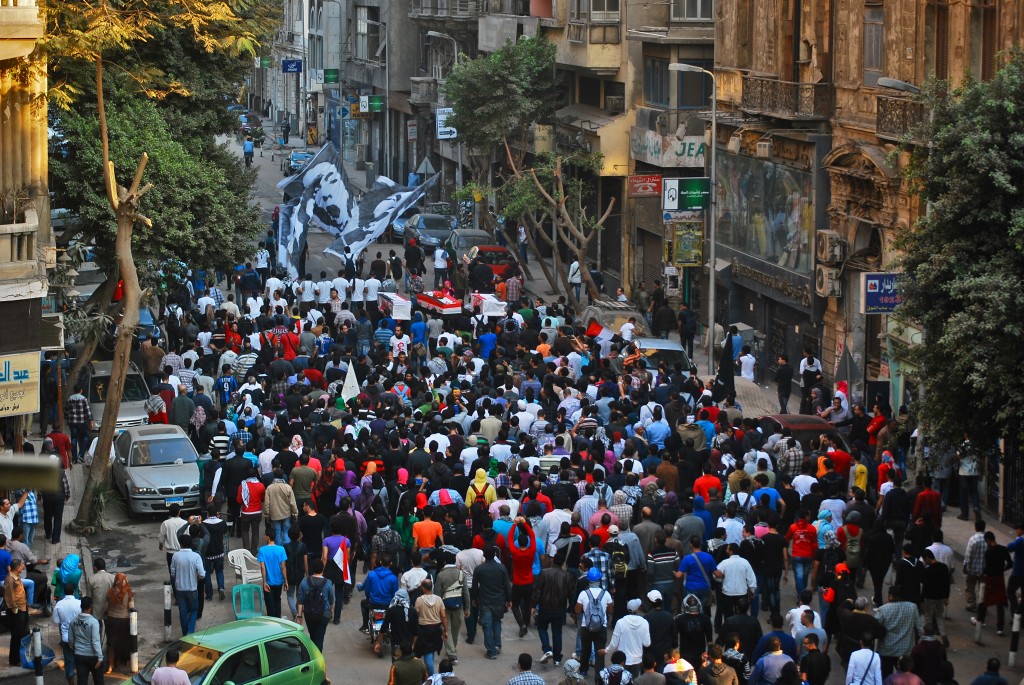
(488, 471)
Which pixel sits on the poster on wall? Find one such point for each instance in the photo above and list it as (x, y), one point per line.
(19, 384)
(689, 244)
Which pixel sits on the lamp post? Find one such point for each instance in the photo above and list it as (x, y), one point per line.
(455, 51)
(711, 219)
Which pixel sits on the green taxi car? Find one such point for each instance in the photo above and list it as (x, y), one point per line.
(264, 651)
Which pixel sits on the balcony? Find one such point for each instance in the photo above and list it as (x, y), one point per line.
(422, 90)
(899, 118)
(20, 28)
(19, 258)
(785, 99)
(453, 9)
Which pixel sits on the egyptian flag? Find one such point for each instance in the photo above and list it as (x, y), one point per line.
(340, 559)
(725, 381)
(600, 333)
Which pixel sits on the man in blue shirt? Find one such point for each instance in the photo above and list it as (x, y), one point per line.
(488, 341)
(186, 572)
(698, 568)
(380, 587)
(763, 489)
(272, 558)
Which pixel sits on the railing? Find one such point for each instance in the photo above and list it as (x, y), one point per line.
(18, 255)
(785, 99)
(466, 8)
(899, 117)
(576, 32)
(422, 90)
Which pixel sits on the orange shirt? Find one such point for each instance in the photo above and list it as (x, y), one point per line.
(426, 533)
(501, 291)
(544, 350)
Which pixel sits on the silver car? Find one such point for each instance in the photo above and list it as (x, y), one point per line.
(131, 410)
(654, 351)
(155, 467)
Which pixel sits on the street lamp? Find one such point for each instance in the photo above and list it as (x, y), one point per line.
(455, 51)
(691, 68)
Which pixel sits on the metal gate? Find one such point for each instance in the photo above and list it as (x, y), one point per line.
(649, 261)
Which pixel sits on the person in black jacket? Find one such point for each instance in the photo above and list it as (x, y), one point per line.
(492, 594)
(784, 383)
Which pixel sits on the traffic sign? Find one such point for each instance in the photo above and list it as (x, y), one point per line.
(291, 66)
(425, 168)
(445, 132)
(685, 194)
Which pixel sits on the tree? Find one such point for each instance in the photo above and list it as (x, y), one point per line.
(964, 262)
(93, 33)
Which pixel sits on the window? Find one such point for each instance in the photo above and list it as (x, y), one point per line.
(983, 41)
(579, 9)
(589, 92)
(694, 89)
(936, 60)
(692, 10)
(367, 33)
(240, 668)
(874, 37)
(656, 81)
(284, 654)
(604, 10)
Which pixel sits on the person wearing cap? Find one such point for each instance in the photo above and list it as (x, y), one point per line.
(593, 639)
(662, 628)
(631, 634)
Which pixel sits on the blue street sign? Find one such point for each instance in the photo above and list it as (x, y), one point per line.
(291, 66)
(881, 292)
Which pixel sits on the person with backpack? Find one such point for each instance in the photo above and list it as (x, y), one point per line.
(316, 602)
(479, 497)
(593, 609)
(851, 539)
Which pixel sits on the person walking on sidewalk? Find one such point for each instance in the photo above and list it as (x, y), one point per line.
(974, 565)
(997, 563)
(186, 574)
(576, 278)
(84, 640)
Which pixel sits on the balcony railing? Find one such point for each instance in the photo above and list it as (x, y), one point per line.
(520, 8)
(422, 90)
(456, 9)
(785, 99)
(899, 117)
(18, 255)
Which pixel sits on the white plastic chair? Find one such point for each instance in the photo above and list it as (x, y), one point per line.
(247, 569)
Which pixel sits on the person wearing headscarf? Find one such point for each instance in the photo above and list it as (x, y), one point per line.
(120, 600)
(824, 525)
(69, 571)
(823, 575)
(400, 620)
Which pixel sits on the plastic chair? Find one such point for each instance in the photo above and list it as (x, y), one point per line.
(247, 601)
(245, 566)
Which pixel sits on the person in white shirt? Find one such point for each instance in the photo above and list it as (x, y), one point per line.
(358, 288)
(205, 301)
(323, 288)
(440, 266)
(254, 304)
(342, 285)
(372, 286)
(631, 635)
(793, 623)
(738, 579)
(277, 300)
(399, 342)
(627, 329)
(307, 293)
(865, 667)
(273, 284)
(747, 362)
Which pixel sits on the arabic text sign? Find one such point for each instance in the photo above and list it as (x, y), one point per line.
(19, 384)
(648, 185)
(685, 194)
(666, 151)
(881, 292)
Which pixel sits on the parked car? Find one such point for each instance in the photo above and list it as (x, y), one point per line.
(154, 467)
(238, 109)
(612, 314)
(132, 408)
(296, 160)
(430, 230)
(264, 650)
(462, 240)
(803, 427)
(654, 351)
(398, 225)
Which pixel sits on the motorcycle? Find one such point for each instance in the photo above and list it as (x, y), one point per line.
(376, 627)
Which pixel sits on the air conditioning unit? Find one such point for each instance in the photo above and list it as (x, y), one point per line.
(764, 149)
(829, 247)
(615, 104)
(734, 144)
(826, 281)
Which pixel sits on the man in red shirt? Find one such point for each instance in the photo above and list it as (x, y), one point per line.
(706, 482)
(522, 547)
(61, 443)
(804, 540)
(841, 461)
(929, 501)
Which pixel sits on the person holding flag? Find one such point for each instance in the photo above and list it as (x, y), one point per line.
(334, 557)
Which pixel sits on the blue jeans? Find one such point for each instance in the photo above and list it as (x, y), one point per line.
(188, 609)
(755, 603)
(214, 566)
(281, 531)
(428, 661)
(68, 655)
(490, 623)
(576, 289)
(823, 605)
(556, 619)
(362, 347)
(771, 592)
(79, 441)
(969, 491)
(801, 569)
(29, 531)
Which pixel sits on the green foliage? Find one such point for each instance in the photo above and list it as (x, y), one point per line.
(201, 206)
(498, 96)
(964, 258)
(520, 195)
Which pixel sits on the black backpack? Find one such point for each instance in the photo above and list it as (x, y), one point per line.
(316, 602)
(619, 561)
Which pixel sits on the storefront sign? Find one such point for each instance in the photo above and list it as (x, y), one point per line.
(19, 384)
(880, 292)
(685, 194)
(331, 75)
(800, 292)
(666, 151)
(647, 185)
(689, 244)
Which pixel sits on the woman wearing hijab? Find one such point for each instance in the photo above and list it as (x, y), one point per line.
(69, 571)
(120, 599)
(400, 621)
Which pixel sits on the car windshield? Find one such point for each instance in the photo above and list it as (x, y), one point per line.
(465, 242)
(494, 256)
(435, 225)
(614, 320)
(195, 660)
(135, 389)
(159, 452)
(670, 358)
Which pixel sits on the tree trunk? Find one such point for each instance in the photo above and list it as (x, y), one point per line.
(125, 206)
(103, 295)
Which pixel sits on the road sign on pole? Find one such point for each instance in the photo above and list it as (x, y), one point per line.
(425, 168)
(445, 132)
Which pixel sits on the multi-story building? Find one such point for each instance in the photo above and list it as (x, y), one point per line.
(26, 243)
